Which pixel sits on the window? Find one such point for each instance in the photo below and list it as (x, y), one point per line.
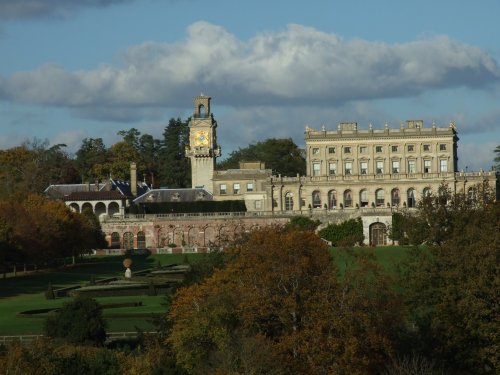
(394, 148)
(426, 192)
(141, 240)
(363, 198)
(395, 197)
(378, 148)
(315, 151)
(412, 166)
(347, 149)
(331, 150)
(249, 186)
(395, 166)
(411, 148)
(411, 198)
(442, 147)
(427, 148)
(379, 198)
(348, 168)
(115, 240)
(427, 166)
(363, 150)
(332, 199)
(332, 169)
(128, 240)
(316, 198)
(236, 188)
(380, 167)
(347, 198)
(222, 189)
(288, 201)
(363, 167)
(316, 169)
(443, 165)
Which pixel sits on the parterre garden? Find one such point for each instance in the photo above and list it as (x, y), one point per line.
(25, 293)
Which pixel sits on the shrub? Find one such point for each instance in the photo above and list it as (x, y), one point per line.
(78, 321)
(347, 233)
(49, 294)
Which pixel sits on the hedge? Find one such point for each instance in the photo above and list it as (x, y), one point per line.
(188, 207)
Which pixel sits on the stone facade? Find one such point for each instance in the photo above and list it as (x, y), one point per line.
(351, 173)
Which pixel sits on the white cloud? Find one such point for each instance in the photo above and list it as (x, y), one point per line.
(297, 65)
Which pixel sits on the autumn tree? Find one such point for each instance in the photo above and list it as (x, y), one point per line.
(452, 285)
(280, 303)
(32, 166)
(281, 155)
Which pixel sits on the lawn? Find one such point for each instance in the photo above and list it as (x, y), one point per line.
(26, 292)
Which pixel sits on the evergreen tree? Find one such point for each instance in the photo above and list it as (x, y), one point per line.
(175, 171)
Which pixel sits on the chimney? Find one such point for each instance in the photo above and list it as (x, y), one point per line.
(133, 179)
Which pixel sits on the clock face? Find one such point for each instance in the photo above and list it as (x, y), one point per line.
(201, 138)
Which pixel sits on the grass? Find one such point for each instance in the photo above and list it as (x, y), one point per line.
(26, 292)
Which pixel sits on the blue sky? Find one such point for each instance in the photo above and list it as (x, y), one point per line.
(89, 68)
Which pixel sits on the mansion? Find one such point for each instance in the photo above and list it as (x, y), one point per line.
(347, 168)
(351, 172)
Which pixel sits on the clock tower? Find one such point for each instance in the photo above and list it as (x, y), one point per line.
(203, 149)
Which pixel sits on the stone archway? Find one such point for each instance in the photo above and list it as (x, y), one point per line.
(378, 234)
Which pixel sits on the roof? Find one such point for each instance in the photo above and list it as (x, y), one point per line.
(174, 195)
(95, 196)
(125, 188)
(62, 191)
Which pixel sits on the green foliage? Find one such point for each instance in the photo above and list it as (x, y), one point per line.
(396, 232)
(347, 233)
(302, 223)
(452, 289)
(281, 155)
(175, 171)
(79, 321)
(49, 294)
(186, 207)
(497, 158)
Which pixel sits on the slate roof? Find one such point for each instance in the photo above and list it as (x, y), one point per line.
(95, 196)
(62, 191)
(125, 188)
(174, 195)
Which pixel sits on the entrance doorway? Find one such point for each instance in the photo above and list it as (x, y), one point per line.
(378, 234)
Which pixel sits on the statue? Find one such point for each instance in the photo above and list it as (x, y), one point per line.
(127, 263)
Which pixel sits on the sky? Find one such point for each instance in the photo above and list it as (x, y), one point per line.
(71, 70)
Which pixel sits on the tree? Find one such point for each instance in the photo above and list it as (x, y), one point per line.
(279, 301)
(175, 172)
(497, 158)
(90, 158)
(31, 167)
(452, 285)
(281, 155)
(79, 321)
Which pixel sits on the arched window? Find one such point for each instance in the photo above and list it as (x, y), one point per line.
(128, 240)
(100, 209)
(395, 197)
(141, 240)
(115, 240)
(411, 198)
(363, 198)
(472, 195)
(332, 199)
(113, 208)
(426, 192)
(347, 198)
(316, 199)
(289, 201)
(380, 198)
